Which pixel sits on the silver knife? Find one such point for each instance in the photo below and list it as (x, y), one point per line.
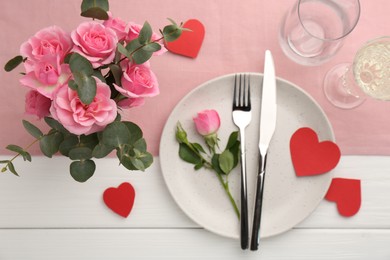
(267, 129)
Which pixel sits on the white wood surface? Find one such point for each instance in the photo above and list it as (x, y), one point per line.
(44, 214)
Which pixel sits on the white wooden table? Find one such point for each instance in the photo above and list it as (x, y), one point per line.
(44, 214)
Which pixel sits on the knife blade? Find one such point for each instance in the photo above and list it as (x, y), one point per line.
(267, 128)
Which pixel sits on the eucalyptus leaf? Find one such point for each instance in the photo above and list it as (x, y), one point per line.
(11, 168)
(81, 171)
(15, 148)
(26, 156)
(89, 141)
(115, 134)
(32, 129)
(69, 142)
(80, 64)
(171, 32)
(86, 87)
(96, 13)
(101, 150)
(72, 85)
(188, 155)
(88, 4)
(141, 56)
(50, 143)
(132, 46)
(116, 72)
(55, 125)
(123, 50)
(80, 153)
(135, 131)
(13, 63)
(226, 161)
(140, 145)
(152, 47)
(145, 33)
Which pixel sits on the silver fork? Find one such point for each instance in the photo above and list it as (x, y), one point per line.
(242, 117)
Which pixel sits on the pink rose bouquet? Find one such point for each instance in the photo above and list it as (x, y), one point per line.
(77, 82)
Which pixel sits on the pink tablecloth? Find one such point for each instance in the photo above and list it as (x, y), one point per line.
(237, 33)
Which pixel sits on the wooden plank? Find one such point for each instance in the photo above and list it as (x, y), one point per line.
(46, 196)
(41, 244)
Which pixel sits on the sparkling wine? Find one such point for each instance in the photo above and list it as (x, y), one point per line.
(371, 68)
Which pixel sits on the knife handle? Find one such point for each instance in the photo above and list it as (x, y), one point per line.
(258, 204)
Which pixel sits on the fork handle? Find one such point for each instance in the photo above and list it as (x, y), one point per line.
(244, 230)
(258, 203)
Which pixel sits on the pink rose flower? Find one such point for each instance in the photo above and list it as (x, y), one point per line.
(48, 43)
(95, 42)
(131, 102)
(118, 25)
(138, 81)
(37, 104)
(79, 118)
(133, 33)
(207, 122)
(47, 76)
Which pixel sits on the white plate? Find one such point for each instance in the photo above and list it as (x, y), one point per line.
(288, 199)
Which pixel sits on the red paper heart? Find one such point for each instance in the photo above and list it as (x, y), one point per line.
(311, 157)
(121, 199)
(189, 42)
(347, 195)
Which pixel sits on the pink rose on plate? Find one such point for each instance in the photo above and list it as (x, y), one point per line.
(46, 76)
(79, 118)
(207, 122)
(95, 42)
(50, 42)
(134, 30)
(37, 104)
(118, 25)
(138, 82)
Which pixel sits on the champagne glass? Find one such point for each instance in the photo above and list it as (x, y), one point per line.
(347, 85)
(313, 31)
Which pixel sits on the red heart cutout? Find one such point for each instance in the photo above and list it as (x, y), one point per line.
(189, 42)
(311, 157)
(347, 195)
(121, 199)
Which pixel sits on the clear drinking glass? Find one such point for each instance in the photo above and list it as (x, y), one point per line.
(313, 30)
(346, 85)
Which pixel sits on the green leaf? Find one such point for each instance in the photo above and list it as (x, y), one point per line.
(32, 129)
(26, 156)
(101, 150)
(83, 71)
(89, 141)
(96, 13)
(215, 164)
(80, 153)
(13, 63)
(72, 85)
(226, 161)
(50, 143)
(135, 131)
(233, 138)
(116, 134)
(11, 167)
(152, 47)
(4, 161)
(55, 125)
(69, 142)
(171, 32)
(188, 155)
(96, 9)
(198, 147)
(137, 161)
(141, 56)
(132, 47)
(88, 4)
(116, 72)
(123, 50)
(140, 145)
(145, 34)
(81, 171)
(15, 148)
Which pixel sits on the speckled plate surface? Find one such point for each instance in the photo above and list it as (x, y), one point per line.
(287, 199)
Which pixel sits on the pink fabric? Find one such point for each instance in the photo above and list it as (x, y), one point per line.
(237, 33)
